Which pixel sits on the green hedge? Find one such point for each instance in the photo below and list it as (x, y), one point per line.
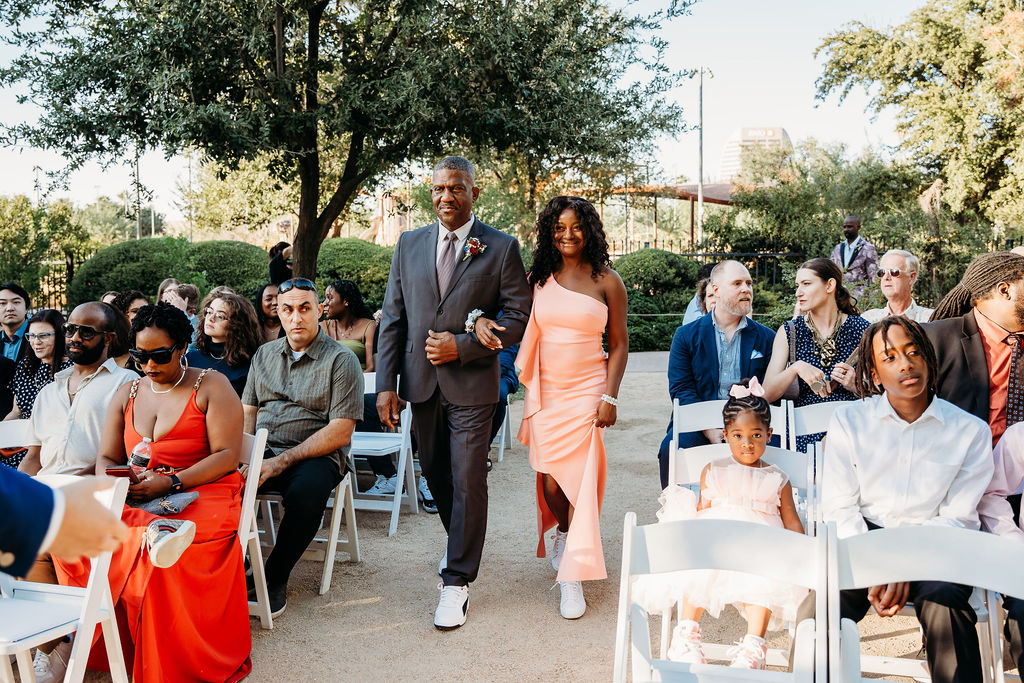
(350, 258)
(243, 267)
(659, 285)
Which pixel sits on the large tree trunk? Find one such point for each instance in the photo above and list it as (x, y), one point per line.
(930, 202)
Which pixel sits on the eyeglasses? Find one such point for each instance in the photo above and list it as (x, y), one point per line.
(216, 315)
(297, 283)
(893, 272)
(158, 356)
(38, 337)
(86, 332)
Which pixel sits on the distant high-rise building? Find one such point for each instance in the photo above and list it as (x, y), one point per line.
(745, 138)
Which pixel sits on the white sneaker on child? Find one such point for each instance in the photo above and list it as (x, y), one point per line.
(557, 547)
(685, 645)
(749, 653)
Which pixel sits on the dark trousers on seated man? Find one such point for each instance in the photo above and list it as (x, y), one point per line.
(305, 488)
(453, 442)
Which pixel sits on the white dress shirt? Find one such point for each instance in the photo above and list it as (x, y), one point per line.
(914, 312)
(994, 510)
(68, 433)
(460, 239)
(847, 252)
(893, 473)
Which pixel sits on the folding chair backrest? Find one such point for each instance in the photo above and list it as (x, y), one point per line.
(696, 417)
(813, 419)
(690, 462)
(251, 455)
(369, 382)
(13, 433)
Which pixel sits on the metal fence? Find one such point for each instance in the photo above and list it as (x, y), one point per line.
(58, 272)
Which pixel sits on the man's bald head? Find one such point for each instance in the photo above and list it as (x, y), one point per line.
(733, 288)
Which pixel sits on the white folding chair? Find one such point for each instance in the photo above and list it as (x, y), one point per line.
(719, 544)
(696, 417)
(32, 614)
(505, 435)
(367, 444)
(812, 419)
(13, 433)
(248, 530)
(918, 553)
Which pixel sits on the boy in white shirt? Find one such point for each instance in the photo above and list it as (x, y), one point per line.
(903, 457)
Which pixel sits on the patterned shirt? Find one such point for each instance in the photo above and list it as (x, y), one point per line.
(998, 357)
(728, 356)
(27, 386)
(296, 397)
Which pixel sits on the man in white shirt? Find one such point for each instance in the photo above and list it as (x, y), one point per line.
(69, 413)
(903, 457)
(896, 277)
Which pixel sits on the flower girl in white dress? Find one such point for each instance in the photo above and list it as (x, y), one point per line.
(739, 487)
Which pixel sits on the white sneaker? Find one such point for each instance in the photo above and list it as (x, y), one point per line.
(443, 563)
(573, 605)
(749, 653)
(385, 486)
(52, 667)
(557, 547)
(167, 539)
(451, 607)
(685, 645)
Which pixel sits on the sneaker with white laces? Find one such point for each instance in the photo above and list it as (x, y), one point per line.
(50, 668)
(572, 605)
(749, 653)
(686, 647)
(426, 497)
(167, 539)
(451, 607)
(557, 547)
(385, 486)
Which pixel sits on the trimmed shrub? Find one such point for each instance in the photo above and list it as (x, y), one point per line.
(655, 271)
(241, 266)
(350, 258)
(659, 285)
(136, 264)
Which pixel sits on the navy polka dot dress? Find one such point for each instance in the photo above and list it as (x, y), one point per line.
(26, 387)
(806, 350)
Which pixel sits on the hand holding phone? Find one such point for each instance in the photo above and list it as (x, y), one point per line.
(123, 471)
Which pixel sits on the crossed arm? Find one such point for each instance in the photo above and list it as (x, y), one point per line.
(337, 433)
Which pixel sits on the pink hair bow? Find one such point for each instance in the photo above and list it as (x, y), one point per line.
(754, 389)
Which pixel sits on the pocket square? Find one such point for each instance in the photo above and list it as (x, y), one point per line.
(756, 354)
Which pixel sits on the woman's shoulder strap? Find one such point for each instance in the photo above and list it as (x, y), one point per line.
(366, 327)
(135, 388)
(199, 380)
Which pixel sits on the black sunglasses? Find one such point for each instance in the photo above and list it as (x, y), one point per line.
(86, 332)
(894, 272)
(159, 356)
(297, 283)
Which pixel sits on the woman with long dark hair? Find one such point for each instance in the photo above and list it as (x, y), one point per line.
(571, 385)
(349, 321)
(825, 336)
(265, 304)
(227, 337)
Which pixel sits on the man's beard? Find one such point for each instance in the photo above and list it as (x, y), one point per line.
(87, 356)
(740, 308)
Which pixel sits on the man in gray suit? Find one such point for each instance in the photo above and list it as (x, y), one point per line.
(440, 275)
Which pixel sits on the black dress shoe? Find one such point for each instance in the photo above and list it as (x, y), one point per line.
(278, 599)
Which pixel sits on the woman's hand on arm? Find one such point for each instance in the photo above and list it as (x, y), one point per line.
(488, 339)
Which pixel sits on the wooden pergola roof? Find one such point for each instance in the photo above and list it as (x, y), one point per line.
(714, 193)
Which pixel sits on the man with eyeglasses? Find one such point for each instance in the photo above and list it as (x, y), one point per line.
(856, 257)
(307, 391)
(896, 278)
(69, 413)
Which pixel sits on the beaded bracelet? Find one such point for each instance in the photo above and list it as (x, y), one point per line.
(610, 399)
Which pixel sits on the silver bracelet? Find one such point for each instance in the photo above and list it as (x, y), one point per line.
(610, 399)
(471, 319)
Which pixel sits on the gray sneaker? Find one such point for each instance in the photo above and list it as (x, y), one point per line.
(167, 539)
(426, 498)
(51, 668)
(385, 486)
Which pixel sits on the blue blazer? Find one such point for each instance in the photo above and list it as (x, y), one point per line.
(25, 510)
(693, 360)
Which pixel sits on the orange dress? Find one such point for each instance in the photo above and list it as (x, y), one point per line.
(189, 622)
(564, 369)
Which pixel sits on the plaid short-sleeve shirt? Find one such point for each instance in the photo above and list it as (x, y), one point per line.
(295, 398)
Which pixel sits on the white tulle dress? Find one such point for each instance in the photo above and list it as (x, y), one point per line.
(733, 491)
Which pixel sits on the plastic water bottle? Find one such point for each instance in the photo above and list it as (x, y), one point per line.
(139, 459)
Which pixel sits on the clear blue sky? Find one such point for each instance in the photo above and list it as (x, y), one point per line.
(761, 54)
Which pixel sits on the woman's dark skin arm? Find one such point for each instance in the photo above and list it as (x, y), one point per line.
(112, 451)
(618, 342)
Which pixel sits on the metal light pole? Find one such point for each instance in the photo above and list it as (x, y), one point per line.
(138, 201)
(700, 150)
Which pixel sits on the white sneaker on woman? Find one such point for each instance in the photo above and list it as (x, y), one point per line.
(573, 605)
(557, 547)
(167, 539)
(50, 668)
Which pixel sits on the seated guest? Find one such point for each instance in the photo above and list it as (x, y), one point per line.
(185, 620)
(164, 286)
(715, 352)
(694, 309)
(185, 297)
(228, 337)
(896, 277)
(349, 321)
(904, 457)
(307, 391)
(118, 349)
(129, 303)
(46, 338)
(266, 313)
(14, 305)
(108, 297)
(280, 262)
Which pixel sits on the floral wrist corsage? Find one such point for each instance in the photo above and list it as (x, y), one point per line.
(471, 319)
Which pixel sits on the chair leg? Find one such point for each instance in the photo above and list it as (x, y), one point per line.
(504, 436)
(25, 670)
(332, 539)
(350, 524)
(262, 609)
(995, 630)
(111, 640)
(268, 519)
(6, 670)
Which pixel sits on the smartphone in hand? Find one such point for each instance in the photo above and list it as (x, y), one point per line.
(123, 471)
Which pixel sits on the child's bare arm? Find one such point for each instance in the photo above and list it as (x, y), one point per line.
(702, 504)
(787, 508)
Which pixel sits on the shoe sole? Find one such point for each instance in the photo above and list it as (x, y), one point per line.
(167, 553)
(280, 611)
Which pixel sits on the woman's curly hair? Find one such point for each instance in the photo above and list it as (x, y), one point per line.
(244, 333)
(546, 257)
(168, 318)
(349, 291)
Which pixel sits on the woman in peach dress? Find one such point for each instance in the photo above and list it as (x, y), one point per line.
(571, 386)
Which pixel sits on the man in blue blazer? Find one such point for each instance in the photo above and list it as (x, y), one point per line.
(717, 350)
(69, 522)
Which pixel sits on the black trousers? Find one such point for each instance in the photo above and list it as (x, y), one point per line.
(305, 488)
(948, 622)
(453, 442)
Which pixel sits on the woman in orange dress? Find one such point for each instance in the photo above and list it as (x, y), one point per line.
(188, 621)
(571, 386)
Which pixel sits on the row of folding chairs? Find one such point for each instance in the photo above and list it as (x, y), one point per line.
(823, 647)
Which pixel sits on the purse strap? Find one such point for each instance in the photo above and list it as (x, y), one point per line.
(791, 334)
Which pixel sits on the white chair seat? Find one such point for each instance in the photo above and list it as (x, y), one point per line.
(26, 618)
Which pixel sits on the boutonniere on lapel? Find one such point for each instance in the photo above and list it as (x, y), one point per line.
(473, 247)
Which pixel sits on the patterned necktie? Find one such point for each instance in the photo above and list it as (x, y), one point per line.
(446, 265)
(1015, 386)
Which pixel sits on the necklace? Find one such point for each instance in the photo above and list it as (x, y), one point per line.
(164, 391)
(827, 346)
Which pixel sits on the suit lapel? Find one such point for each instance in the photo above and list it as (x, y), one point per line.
(431, 249)
(746, 348)
(974, 354)
(461, 264)
(711, 353)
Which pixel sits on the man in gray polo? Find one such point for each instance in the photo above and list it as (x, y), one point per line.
(307, 391)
